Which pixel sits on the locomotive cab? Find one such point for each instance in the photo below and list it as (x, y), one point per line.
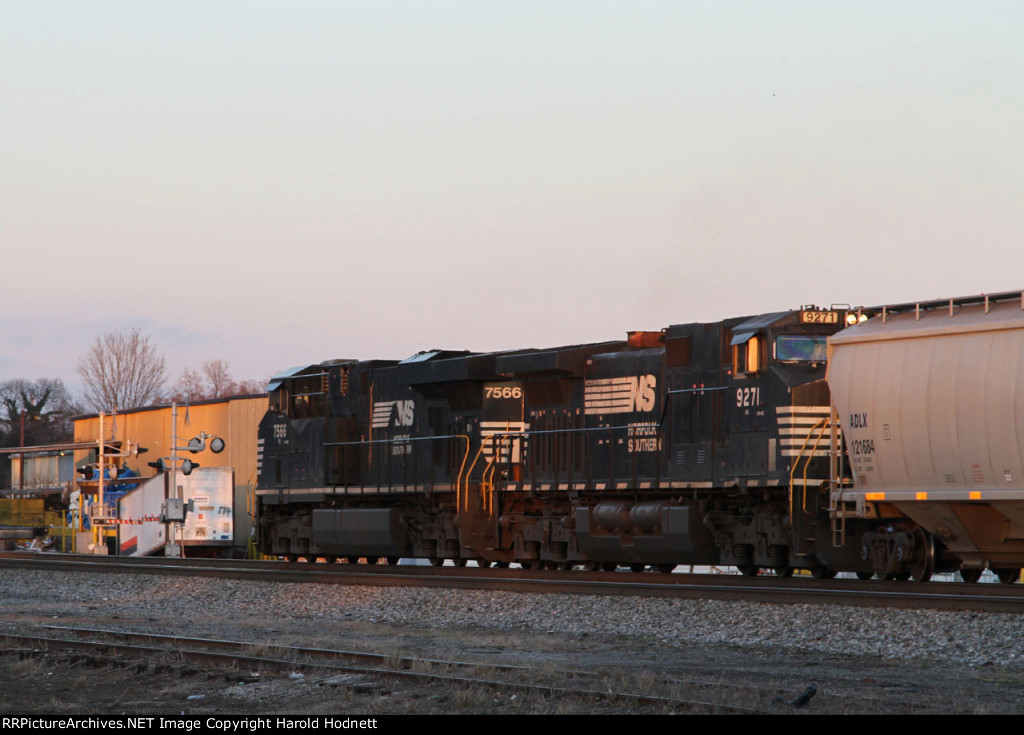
(775, 394)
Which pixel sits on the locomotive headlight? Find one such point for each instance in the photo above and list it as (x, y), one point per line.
(851, 319)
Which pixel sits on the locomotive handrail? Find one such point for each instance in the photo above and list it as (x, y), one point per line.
(682, 391)
(492, 464)
(820, 426)
(395, 441)
(463, 498)
(697, 390)
(497, 441)
(487, 484)
(465, 456)
(410, 439)
(576, 429)
(807, 463)
(476, 457)
(527, 435)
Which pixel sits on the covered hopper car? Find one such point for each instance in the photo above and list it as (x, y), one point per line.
(705, 443)
(931, 400)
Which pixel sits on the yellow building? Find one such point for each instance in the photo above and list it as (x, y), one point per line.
(234, 419)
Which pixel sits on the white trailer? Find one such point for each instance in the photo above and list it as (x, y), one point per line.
(210, 524)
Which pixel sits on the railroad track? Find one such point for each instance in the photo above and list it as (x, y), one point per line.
(932, 595)
(114, 646)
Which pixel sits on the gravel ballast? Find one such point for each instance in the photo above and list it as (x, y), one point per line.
(213, 607)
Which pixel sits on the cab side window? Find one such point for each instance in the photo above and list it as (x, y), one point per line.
(748, 357)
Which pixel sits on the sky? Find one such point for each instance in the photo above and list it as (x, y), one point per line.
(281, 183)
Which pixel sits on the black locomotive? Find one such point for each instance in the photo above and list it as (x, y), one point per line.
(699, 444)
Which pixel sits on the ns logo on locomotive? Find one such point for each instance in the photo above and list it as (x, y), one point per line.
(878, 441)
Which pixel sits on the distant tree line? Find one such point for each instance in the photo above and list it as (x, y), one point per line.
(124, 370)
(120, 371)
(212, 380)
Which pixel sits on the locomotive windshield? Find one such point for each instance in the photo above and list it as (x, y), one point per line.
(800, 348)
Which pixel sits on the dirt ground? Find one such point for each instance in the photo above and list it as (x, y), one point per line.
(743, 677)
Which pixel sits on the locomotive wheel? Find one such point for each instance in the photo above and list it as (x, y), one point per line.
(436, 561)
(460, 561)
(499, 564)
(392, 561)
(970, 576)
(293, 558)
(784, 572)
(922, 561)
(352, 559)
(637, 567)
(591, 566)
(1008, 576)
(609, 566)
(749, 570)
(822, 573)
(865, 576)
(665, 568)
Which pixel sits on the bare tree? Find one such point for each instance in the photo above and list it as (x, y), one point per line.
(213, 381)
(218, 377)
(188, 388)
(44, 407)
(122, 370)
(248, 387)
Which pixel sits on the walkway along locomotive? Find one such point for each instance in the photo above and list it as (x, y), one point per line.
(704, 443)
